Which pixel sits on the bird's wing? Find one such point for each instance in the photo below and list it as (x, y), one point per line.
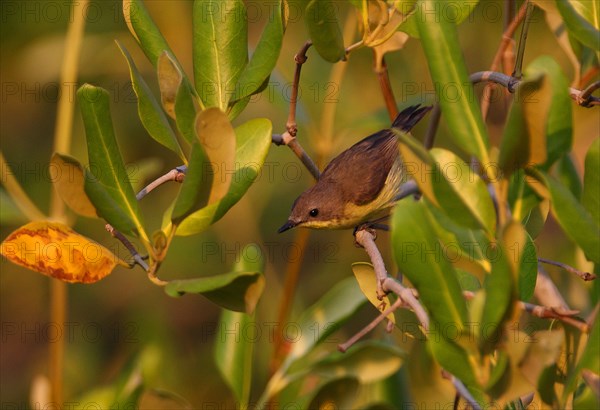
(360, 172)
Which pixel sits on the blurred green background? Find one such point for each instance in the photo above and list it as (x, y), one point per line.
(111, 321)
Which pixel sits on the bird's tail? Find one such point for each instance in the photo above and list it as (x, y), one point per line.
(410, 116)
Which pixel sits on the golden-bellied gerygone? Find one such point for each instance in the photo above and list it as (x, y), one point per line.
(360, 185)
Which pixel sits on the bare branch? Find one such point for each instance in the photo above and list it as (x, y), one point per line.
(176, 174)
(462, 390)
(563, 315)
(583, 275)
(300, 59)
(386, 283)
(297, 149)
(136, 256)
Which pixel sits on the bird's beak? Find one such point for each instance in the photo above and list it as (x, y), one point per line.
(286, 226)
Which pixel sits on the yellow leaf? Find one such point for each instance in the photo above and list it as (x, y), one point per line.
(365, 275)
(56, 250)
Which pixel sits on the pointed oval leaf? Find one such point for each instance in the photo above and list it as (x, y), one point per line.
(417, 253)
(367, 361)
(233, 354)
(439, 37)
(324, 29)
(238, 291)
(253, 139)
(220, 42)
(574, 219)
(262, 62)
(461, 193)
(56, 250)
(328, 314)
(501, 285)
(169, 81)
(149, 110)
(69, 184)
(591, 181)
(107, 183)
(217, 137)
(365, 276)
(582, 19)
(566, 173)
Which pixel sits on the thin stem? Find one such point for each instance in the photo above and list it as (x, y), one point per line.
(462, 391)
(522, 40)
(297, 149)
(62, 143)
(586, 94)
(583, 275)
(343, 347)
(136, 256)
(300, 59)
(565, 316)
(176, 174)
(17, 194)
(386, 90)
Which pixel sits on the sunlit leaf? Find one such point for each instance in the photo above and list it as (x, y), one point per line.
(263, 60)
(218, 140)
(169, 81)
(56, 250)
(324, 29)
(566, 173)
(107, 183)
(589, 360)
(149, 110)
(582, 18)
(527, 270)
(365, 276)
(253, 139)
(238, 291)
(220, 41)
(69, 183)
(437, 29)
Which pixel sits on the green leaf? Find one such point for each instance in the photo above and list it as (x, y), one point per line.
(253, 139)
(145, 31)
(416, 250)
(567, 174)
(528, 270)
(590, 359)
(449, 183)
(69, 184)
(233, 353)
(368, 362)
(582, 19)
(262, 62)
(324, 29)
(107, 183)
(220, 53)
(418, 256)
(501, 285)
(461, 192)
(574, 219)
(196, 185)
(217, 137)
(591, 181)
(238, 291)
(524, 138)
(324, 317)
(559, 124)
(439, 37)
(149, 110)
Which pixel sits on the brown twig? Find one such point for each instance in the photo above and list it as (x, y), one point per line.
(134, 253)
(585, 98)
(564, 315)
(386, 283)
(343, 347)
(583, 275)
(300, 59)
(505, 42)
(177, 174)
(386, 90)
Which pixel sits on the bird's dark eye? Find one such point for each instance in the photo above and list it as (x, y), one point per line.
(314, 212)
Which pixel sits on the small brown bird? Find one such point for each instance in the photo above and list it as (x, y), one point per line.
(360, 185)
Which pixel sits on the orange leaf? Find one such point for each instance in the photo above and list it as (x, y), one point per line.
(58, 251)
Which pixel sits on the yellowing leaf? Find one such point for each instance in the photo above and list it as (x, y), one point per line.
(365, 276)
(69, 184)
(56, 250)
